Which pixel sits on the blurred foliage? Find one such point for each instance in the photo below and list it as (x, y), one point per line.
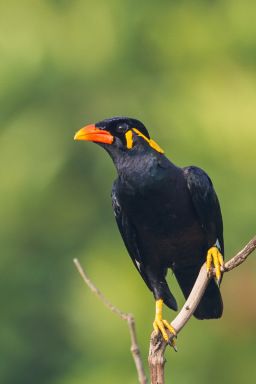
(187, 70)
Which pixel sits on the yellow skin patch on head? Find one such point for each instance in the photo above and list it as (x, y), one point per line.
(151, 142)
(129, 139)
(154, 145)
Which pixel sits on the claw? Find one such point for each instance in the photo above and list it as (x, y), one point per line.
(173, 344)
(162, 325)
(215, 258)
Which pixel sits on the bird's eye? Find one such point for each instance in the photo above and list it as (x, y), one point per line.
(121, 128)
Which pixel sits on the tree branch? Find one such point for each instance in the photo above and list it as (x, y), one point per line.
(241, 256)
(157, 344)
(124, 316)
(157, 348)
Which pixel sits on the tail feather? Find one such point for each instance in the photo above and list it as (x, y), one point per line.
(170, 301)
(168, 297)
(161, 290)
(210, 306)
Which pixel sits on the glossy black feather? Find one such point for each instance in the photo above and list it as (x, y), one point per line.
(206, 204)
(129, 236)
(207, 208)
(168, 216)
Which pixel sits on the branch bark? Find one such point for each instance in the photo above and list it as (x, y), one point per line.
(157, 347)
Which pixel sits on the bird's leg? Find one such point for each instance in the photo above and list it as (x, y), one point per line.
(161, 325)
(214, 258)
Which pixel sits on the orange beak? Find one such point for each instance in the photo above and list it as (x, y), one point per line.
(91, 133)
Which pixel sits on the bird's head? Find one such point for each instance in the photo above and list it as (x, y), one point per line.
(118, 135)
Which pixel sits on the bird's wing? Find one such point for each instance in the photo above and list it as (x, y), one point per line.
(128, 233)
(206, 204)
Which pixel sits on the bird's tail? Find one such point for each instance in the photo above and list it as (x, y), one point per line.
(210, 306)
(169, 300)
(162, 290)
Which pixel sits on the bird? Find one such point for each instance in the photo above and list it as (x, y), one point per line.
(169, 217)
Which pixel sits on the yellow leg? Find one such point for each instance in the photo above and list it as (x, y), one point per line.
(215, 258)
(162, 325)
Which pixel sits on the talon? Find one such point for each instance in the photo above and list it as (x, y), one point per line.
(214, 258)
(158, 324)
(170, 327)
(162, 325)
(208, 262)
(172, 344)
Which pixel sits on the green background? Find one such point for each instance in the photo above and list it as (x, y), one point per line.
(187, 70)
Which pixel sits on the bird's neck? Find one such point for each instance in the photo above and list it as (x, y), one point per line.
(144, 170)
(136, 162)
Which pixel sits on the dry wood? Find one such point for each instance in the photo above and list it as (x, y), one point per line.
(157, 347)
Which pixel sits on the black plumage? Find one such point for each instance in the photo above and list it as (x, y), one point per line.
(168, 216)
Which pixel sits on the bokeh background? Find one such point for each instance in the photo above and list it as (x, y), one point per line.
(187, 70)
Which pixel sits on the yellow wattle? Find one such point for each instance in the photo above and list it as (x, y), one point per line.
(129, 139)
(151, 142)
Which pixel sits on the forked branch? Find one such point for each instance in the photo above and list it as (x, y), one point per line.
(157, 344)
(157, 348)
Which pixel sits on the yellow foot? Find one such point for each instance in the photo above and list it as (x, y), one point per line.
(214, 258)
(163, 325)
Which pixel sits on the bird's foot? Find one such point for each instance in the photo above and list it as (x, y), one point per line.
(163, 326)
(214, 258)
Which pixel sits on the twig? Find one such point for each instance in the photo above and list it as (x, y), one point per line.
(241, 256)
(157, 348)
(124, 316)
(157, 344)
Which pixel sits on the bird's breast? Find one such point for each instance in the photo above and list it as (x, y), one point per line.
(165, 221)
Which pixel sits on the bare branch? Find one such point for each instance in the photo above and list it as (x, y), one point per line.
(241, 256)
(202, 281)
(156, 357)
(157, 344)
(124, 316)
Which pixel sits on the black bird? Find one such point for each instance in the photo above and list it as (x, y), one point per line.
(169, 217)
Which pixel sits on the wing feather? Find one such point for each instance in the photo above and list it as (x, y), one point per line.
(206, 204)
(128, 233)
